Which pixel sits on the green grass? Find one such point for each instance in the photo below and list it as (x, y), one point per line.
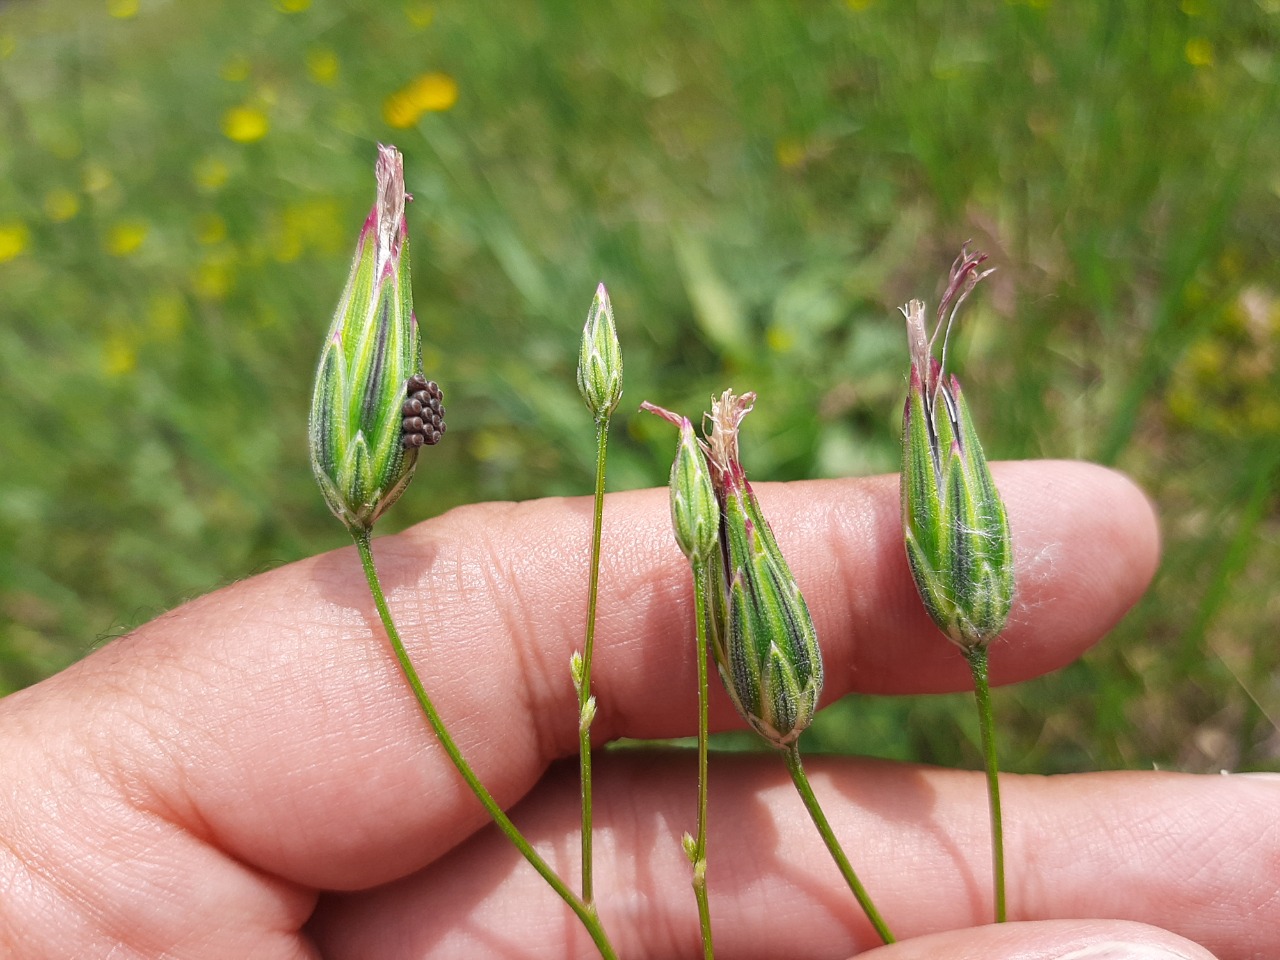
(760, 184)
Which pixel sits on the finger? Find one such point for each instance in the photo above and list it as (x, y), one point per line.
(271, 717)
(1193, 855)
(1048, 940)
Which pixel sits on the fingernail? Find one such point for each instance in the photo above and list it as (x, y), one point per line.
(1118, 950)
(1259, 775)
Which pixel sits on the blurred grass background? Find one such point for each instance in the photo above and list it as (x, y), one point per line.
(759, 183)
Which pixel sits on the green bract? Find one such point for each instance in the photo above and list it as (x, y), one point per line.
(600, 359)
(762, 637)
(954, 522)
(359, 453)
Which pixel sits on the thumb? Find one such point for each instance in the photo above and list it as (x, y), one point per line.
(1047, 940)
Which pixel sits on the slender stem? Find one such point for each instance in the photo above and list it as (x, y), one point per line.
(585, 911)
(829, 837)
(977, 657)
(584, 686)
(700, 573)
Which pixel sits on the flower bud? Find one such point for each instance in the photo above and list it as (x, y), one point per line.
(371, 409)
(695, 514)
(600, 359)
(954, 522)
(762, 637)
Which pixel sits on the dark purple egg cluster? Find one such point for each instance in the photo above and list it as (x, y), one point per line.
(423, 413)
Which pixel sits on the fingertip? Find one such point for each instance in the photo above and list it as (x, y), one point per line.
(1047, 940)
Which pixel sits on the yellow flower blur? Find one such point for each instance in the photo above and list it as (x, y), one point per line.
(427, 93)
(211, 174)
(322, 65)
(1199, 52)
(245, 124)
(126, 238)
(61, 205)
(14, 239)
(122, 9)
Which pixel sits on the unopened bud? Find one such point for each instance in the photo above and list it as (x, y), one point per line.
(954, 522)
(371, 410)
(695, 514)
(762, 636)
(600, 359)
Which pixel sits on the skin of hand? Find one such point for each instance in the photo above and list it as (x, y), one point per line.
(249, 776)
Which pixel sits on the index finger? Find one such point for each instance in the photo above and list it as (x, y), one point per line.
(288, 735)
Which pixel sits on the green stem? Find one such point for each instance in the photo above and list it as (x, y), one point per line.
(829, 837)
(700, 572)
(977, 657)
(584, 684)
(585, 911)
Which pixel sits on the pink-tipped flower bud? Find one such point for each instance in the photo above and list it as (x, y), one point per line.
(954, 522)
(371, 409)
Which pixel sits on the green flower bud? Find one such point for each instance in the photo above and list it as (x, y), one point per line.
(371, 409)
(954, 522)
(695, 514)
(600, 359)
(762, 637)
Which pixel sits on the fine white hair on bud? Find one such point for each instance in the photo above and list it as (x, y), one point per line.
(762, 637)
(954, 523)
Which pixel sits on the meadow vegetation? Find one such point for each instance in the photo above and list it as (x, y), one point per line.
(760, 185)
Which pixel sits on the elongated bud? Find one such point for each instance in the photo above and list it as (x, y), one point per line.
(600, 359)
(762, 636)
(695, 514)
(954, 522)
(371, 409)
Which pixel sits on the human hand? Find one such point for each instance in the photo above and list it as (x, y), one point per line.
(249, 775)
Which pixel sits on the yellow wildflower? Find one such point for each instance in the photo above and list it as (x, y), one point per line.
(433, 92)
(14, 239)
(427, 93)
(61, 205)
(1199, 52)
(245, 124)
(420, 13)
(122, 9)
(210, 174)
(322, 65)
(126, 237)
(119, 355)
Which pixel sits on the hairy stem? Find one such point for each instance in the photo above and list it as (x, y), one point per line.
(699, 858)
(977, 658)
(585, 911)
(584, 682)
(828, 836)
